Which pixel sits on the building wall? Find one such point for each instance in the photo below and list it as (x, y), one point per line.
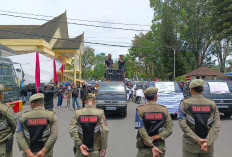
(204, 78)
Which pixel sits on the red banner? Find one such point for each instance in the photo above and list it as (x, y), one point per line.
(55, 73)
(62, 70)
(37, 72)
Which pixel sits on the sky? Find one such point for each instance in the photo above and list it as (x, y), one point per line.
(116, 11)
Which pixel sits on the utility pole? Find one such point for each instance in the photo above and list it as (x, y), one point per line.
(174, 64)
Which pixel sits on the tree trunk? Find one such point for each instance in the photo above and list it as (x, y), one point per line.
(198, 61)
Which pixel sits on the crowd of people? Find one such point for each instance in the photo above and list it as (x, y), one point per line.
(37, 129)
(69, 92)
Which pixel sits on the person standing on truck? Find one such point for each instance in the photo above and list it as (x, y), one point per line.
(109, 63)
(154, 125)
(37, 129)
(199, 119)
(121, 65)
(89, 131)
(8, 125)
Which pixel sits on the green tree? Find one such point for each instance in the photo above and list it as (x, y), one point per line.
(87, 61)
(98, 71)
(146, 55)
(100, 58)
(194, 27)
(99, 67)
(222, 50)
(222, 18)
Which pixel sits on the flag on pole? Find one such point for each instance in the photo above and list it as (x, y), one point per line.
(55, 73)
(37, 72)
(62, 70)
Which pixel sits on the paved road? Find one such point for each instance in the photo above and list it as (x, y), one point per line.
(122, 136)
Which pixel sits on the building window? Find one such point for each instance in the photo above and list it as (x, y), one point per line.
(198, 77)
(203, 77)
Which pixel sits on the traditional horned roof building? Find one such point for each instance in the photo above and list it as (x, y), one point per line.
(205, 73)
(51, 39)
(6, 51)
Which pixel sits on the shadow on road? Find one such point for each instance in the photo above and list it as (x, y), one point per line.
(115, 117)
(224, 118)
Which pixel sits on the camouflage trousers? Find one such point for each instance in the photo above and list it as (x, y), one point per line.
(91, 154)
(147, 152)
(194, 150)
(3, 152)
(68, 100)
(48, 154)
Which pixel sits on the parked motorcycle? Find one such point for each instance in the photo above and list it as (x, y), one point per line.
(137, 95)
(129, 93)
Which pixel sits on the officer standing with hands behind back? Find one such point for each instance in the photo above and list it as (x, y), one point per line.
(89, 131)
(8, 125)
(37, 129)
(154, 125)
(199, 119)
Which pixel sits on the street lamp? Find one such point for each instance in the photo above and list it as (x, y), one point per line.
(174, 64)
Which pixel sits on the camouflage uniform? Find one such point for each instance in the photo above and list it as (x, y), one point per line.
(152, 119)
(89, 127)
(199, 119)
(37, 129)
(68, 97)
(8, 125)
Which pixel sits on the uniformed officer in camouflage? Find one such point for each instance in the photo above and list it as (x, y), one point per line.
(200, 121)
(154, 125)
(37, 129)
(8, 125)
(88, 129)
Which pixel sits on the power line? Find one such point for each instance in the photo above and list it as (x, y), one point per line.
(42, 36)
(95, 21)
(87, 42)
(82, 24)
(105, 44)
(97, 43)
